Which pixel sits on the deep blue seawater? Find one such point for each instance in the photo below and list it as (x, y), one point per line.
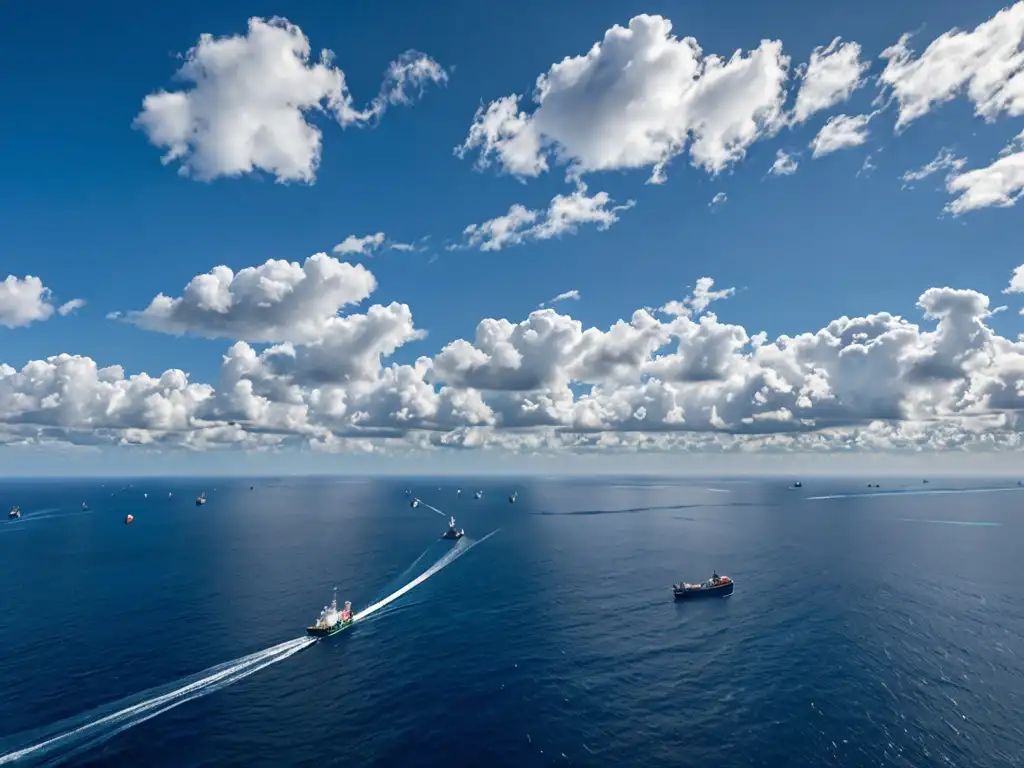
(865, 630)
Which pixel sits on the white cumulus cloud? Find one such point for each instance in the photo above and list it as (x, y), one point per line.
(362, 245)
(573, 295)
(676, 380)
(25, 300)
(997, 185)
(70, 306)
(840, 132)
(785, 164)
(830, 77)
(249, 98)
(636, 99)
(986, 63)
(276, 301)
(564, 215)
(944, 161)
(699, 300)
(1017, 281)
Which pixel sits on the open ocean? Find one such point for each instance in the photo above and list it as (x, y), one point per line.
(869, 627)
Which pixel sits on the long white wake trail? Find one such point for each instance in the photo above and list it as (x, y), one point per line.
(461, 547)
(94, 723)
(107, 721)
(422, 503)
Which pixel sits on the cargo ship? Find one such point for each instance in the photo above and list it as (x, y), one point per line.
(716, 586)
(331, 621)
(452, 532)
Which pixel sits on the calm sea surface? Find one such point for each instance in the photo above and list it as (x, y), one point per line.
(872, 627)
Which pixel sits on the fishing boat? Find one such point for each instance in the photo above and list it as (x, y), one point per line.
(331, 620)
(716, 586)
(452, 532)
(512, 497)
(128, 520)
(478, 495)
(201, 499)
(85, 507)
(15, 512)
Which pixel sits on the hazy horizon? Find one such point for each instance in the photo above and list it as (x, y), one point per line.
(101, 463)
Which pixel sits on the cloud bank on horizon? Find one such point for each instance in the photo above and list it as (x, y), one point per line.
(674, 378)
(307, 364)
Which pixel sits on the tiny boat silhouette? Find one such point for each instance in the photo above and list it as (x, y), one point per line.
(716, 586)
(201, 499)
(85, 506)
(15, 512)
(128, 520)
(478, 495)
(512, 498)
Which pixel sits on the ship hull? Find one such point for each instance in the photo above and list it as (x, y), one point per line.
(699, 594)
(341, 626)
(452, 536)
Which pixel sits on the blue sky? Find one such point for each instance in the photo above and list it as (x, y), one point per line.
(87, 206)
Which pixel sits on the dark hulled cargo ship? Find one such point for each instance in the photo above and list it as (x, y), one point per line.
(331, 620)
(716, 586)
(452, 532)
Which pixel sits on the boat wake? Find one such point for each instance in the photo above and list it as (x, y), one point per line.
(922, 492)
(67, 738)
(422, 503)
(462, 546)
(79, 733)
